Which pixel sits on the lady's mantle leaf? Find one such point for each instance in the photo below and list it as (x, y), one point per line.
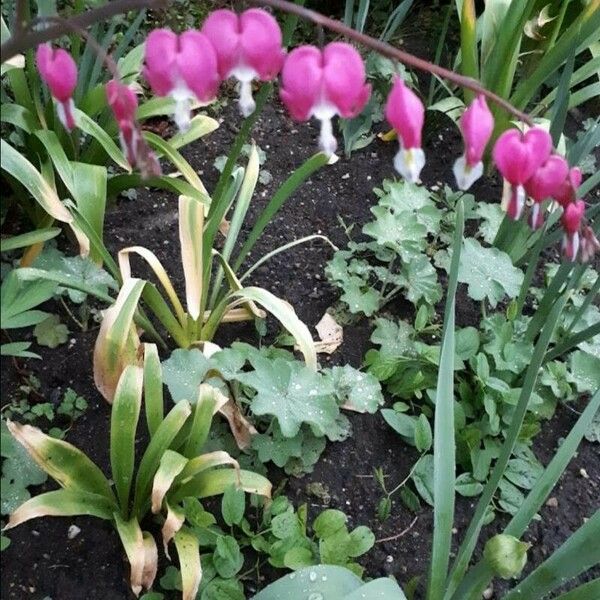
(292, 393)
(488, 272)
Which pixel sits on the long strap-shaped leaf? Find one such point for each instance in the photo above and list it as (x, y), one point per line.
(123, 425)
(467, 547)
(62, 503)
(444, 447)
(239, 214)
(132, 539)
(14, 163)
(578, 554)
(191, 226)
(117, 343)
(286, 315)
(171, 465)
(214, 483)
(160, 442)
(159, 271)
(481, 574)
(65, 463)
(188, 550)
(588, 590)
(205, 462)
(154, 406)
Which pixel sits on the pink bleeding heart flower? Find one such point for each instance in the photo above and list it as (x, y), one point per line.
(568, 189)
(589, 243)
(183, 67)
(248, 47)
(545, 183)
(517, 157)
(58, 69)
(571, 221)
(324, 84)
(476, 125)
(123, 102)
(406, 114)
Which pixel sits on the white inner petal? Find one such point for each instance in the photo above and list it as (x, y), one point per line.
(465, 175)
(182, 114)
(327, 141)
(246, 101)
(409, 163)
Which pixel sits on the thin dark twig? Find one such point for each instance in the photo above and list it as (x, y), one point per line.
(107, 59)
(395, 53)
(19, 42)
(398, 535)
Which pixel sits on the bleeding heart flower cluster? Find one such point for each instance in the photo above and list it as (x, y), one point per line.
(530, 168)
(322, 83)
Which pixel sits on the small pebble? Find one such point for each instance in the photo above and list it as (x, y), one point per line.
(584, 473)
(488, 593)
(552, 502)
(389, 558)
(73, 532)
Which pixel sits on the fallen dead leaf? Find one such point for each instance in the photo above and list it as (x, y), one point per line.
(331, 334)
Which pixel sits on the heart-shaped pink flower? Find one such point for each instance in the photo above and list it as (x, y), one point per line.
(182, 67)
(567, 192)
(518, 155)
(123, 102)
(59, 71)
(248, 47)
(571, 220)
(406, 114)
(476, 125)
(324, 84)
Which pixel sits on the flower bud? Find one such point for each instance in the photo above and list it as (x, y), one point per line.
(59, 71)
(324, 84)
(506, 555)
(567, 192)
(571, 220)
(248, 47)
(406, 114)
(476, 125)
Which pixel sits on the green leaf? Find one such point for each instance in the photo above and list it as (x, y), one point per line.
(585, 371)
(28, 239)
(362, 540)
(298, 557)
(356, 390)
(492, 215)
(506, 555)
(394, 337)
(291, 392)
(227, 557)
(489, 273)
(423, 434)
(468, 486)
(360, 298)
(419, 277)
(400, 232)
(422, 477)
(286, 525)
(329, 522)
(403, 424)
(51, 332)
(183, 372)
(233, 505)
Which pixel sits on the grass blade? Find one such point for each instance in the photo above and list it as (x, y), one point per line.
(469, 64)
(209, 401)
(123, 425)
(588, 590)
(444, 447)
(132, 539)
(191, 231)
